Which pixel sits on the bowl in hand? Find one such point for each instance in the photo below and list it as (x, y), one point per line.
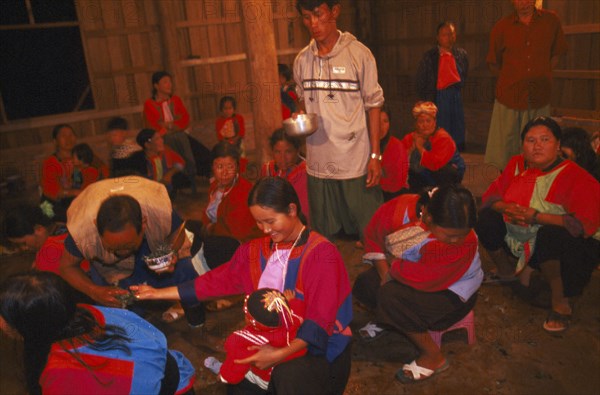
(159, 263)
(303, 125)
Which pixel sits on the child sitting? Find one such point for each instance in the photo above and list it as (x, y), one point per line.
(270, 319)
(85, 173)
(230, 127)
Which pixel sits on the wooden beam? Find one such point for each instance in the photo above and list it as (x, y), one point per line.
(124, 31)
(266, 100)
(213, 60)
(49, 25)
(71, 117)
(582, 29)
(576, 113)
(577, 74)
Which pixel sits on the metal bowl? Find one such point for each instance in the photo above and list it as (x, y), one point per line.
(304, 125)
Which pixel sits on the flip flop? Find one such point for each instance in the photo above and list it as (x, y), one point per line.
(419, 373)
(172, 314)
(371, 332)
(555, 316)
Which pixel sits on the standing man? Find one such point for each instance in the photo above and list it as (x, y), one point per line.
(524, 48)
(336, 78)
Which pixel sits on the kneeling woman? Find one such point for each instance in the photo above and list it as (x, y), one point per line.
(293, 258)
(434, 278)
(71, 348)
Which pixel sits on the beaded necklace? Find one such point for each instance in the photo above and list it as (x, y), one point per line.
(285, 264)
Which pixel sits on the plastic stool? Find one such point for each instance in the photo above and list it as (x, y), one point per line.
(467, 323)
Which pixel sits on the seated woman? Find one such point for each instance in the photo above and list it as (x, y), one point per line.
(434, 159)
(28, 226)
(434, 277)
(288, 163)
(576, 145)
(388, 218)
(543, 210)
(227, 213)
(57, 172)
(166, 113)
(162, 163)
(79, 348)
(394, 162)
(290, 257)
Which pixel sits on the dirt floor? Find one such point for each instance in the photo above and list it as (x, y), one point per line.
(512, 354)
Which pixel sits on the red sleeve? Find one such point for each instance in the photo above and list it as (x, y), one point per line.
(240, 120)
(326, 283)
(233, 216)
(497, 189)
(395, 166)
(219, 123)
(440, 265)
(231, 278)
(442, 150)
(388, 219)
(579, 193)
(52, 172)
(152, 114)
(173, 158)
(181, 116)
(90, 175)
(407, 141)
(236, 347)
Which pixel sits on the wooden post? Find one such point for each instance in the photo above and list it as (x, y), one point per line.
(170, 44)
(263, 88)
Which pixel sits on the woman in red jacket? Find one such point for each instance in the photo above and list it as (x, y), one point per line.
(227, 213)
(434, 159)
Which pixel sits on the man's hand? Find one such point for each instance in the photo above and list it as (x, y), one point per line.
(107, 295)
(373, 172)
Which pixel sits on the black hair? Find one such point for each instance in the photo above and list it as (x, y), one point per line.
(144, 136)
(285, 70)
(84, 153)
(156, 77)
(117, 123)
(223, 149)
(117, 211)
(310, 5)
(257, 310)
(275, 193)
(444, 24)
(579, 141)
(543, 121)
(58, 127)
(452, 206)
(42, 308)
(280, 135)
(226, 99)
(21, 221)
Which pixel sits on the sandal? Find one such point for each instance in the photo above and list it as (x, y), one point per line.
(419, 373)
(495, 278)
(555, 316)
(371, 332)
(174, 313)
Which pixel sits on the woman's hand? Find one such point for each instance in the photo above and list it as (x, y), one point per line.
(146, 292)
(266, 357)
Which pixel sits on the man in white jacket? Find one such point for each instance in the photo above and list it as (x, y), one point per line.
(336, 78)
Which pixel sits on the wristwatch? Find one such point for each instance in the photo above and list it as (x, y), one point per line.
(376, 156)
